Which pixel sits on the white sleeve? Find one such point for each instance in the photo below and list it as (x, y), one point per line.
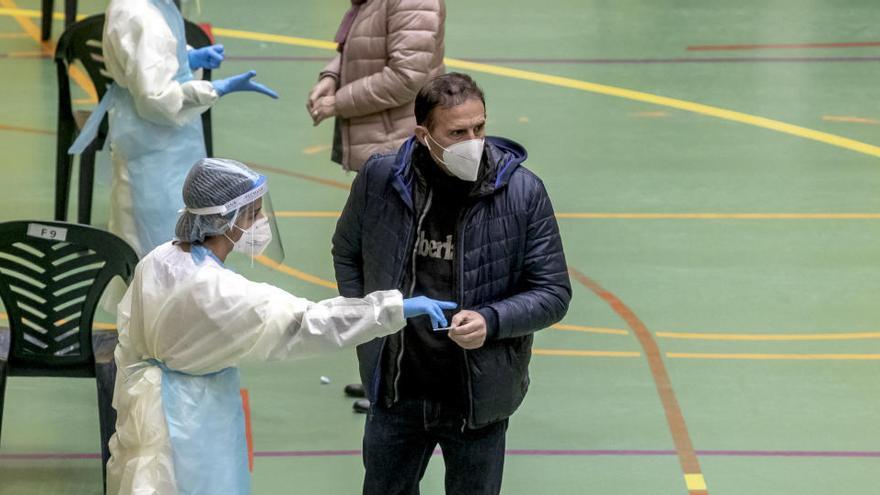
(220, 319)
(141, 55)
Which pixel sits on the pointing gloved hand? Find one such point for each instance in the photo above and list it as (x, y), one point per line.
(421, 305)
(208, 57)
(242, 82)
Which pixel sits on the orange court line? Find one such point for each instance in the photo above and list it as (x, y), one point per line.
(854, 120)
(769, 337)
(311, 150)
(580, 328)
(248, 430)
(575, 353)
(31, 54)
(299, 175)
(28, 130)
(684, 448)
(48, 47)
(722, 216)
(850, 44)
(655, 114)
(307, 214)
(783, 357)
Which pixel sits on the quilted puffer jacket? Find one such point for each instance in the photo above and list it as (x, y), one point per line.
(393, 48)
(509, 265)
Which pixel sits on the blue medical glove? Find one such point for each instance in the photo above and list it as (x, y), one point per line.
(208, 57)
(421, 305)
(242, 82)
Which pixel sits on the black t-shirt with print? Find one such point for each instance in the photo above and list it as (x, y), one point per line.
(432, 366)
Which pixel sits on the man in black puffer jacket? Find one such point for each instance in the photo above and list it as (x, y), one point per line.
(453, 216)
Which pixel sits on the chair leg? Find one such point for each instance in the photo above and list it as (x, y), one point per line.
(209, 134)
(69, 13)
(86, 183)
(63, 165)
(105, 375)
(2, 392)
(48, 6)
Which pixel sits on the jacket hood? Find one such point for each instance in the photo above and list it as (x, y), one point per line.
(503, 155)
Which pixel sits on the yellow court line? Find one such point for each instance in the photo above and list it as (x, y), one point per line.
(580, 328)
(12, 10)
(769, 337)
(23, 17)
(695, 482)
(653, 216)
(274, 38)
(782, 357)
(689, 106)
(293, 272)
(566, 352)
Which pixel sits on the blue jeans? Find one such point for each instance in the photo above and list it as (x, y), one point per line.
(399, 442)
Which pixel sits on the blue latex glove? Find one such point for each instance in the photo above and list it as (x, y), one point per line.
(421, 305)
(208, 57)
(242, 82)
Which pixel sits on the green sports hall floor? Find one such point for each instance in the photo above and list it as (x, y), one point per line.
(715, 166)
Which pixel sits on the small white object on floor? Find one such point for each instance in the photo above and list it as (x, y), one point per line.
(325, 380)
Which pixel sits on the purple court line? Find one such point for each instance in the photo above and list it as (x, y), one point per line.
(567, 61)
(575, 61)
(512, 452)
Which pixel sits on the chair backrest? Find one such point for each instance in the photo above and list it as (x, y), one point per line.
(82, 41)
(52, 275)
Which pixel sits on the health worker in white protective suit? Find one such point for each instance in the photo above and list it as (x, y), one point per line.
(154, 106)
(187, 321)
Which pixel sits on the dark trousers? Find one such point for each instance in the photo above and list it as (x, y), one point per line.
(399, 442)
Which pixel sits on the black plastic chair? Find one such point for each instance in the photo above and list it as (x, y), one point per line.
(48, 7)
(82, 41)
(52, 275)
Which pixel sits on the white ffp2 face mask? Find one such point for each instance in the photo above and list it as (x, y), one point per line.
(254, 240)
(463, 159)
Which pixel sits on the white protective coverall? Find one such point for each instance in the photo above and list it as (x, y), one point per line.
(183, 328)
(155, 130)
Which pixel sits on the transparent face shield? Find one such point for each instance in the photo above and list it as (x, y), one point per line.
(253, 230)
(259, 239)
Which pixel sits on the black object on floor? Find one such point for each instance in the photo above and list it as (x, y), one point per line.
(355, 390)
(361, 406)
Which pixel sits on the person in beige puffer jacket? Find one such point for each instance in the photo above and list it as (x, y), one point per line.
(388, 49)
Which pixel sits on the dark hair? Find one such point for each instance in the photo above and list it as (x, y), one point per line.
(445, 91)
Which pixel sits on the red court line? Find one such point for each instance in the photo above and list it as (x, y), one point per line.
(684, 448)
(249, 436)
(783, 46)
(283, 171)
